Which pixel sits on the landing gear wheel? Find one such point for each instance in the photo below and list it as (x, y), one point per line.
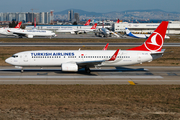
(87, 70)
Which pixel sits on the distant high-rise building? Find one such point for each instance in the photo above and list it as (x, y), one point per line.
(29, 17)
(43, 17)
(76, 17)
(46, 17)
(5, 16)
(70, 15)
(1, 16)
(22, 17)
(42, 14)
(37, 16)
(12, 16)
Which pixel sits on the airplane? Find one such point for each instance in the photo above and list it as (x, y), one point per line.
(72, 60)
(88, 22)
(78, 30)
(4, 31)
(103, 32)
(32, 33)
(128, 33)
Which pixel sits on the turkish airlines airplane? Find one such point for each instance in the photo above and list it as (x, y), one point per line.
(32, 33)
(77, 30)
(128, 33)
(4, 31)
(72, 60)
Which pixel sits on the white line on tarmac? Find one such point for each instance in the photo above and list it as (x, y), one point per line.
(81, 77)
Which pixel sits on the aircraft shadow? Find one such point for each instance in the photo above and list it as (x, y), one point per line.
(80, 71)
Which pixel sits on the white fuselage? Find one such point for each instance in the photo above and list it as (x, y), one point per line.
(4, 31)
(32, 33)
(51, 58)
(72, 30)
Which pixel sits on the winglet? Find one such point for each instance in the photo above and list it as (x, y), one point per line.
(94, 26)
(114, 56)
(88, 22)
(105, 48)
(18, 25)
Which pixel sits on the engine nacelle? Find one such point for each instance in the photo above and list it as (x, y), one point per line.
(30, 36)
(69, 67)
(72, 32)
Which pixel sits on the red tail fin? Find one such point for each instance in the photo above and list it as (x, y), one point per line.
(156, 39)
(18, 25)
(88, 22)
(34, 22)
(94, 26)
(118, 21)
(114, 56)
(105, 48)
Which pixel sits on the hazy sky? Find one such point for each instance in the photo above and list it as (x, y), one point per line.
(101, 6)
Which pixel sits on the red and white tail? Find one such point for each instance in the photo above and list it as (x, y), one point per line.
(114, 56)
(34, 22)
(105, 48)
(18, 25)
(118, 21)
(94, 26)
(155, 42)
(88, 22)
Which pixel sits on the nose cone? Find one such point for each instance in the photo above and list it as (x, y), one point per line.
(8, 60)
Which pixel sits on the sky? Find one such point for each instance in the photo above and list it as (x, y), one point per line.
(100, 6)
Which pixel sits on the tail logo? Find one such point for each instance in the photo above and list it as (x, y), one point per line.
(155, 42)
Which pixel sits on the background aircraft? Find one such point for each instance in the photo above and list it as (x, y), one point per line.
(79, 29)
(32, 33)
(5, 31)
(128, 33)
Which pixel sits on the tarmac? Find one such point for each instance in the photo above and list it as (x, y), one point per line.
(136, 75)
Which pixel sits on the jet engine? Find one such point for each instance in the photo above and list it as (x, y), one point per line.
(69, 67)
(30, 36)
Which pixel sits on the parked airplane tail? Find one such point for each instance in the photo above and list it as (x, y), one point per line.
(18, 25)
(118, 21)
(155, 42)
(34, 22)
(94, 26)
(88, 22)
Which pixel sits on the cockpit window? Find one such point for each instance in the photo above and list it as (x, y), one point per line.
(15, 56)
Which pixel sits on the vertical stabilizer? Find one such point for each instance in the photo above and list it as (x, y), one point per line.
(155, 41)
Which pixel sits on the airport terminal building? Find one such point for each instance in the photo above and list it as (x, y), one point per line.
(173, 27)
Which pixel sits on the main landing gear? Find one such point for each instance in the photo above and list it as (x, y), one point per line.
(22, 70)
(87, 70)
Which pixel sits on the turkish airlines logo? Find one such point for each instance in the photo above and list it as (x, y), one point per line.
(114, 57)
(155, 42)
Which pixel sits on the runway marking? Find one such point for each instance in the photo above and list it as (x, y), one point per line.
(81, 77)
(131, 83)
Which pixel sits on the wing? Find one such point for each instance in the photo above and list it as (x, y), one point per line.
(89, 63)
(94, 63)
(17, 33)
